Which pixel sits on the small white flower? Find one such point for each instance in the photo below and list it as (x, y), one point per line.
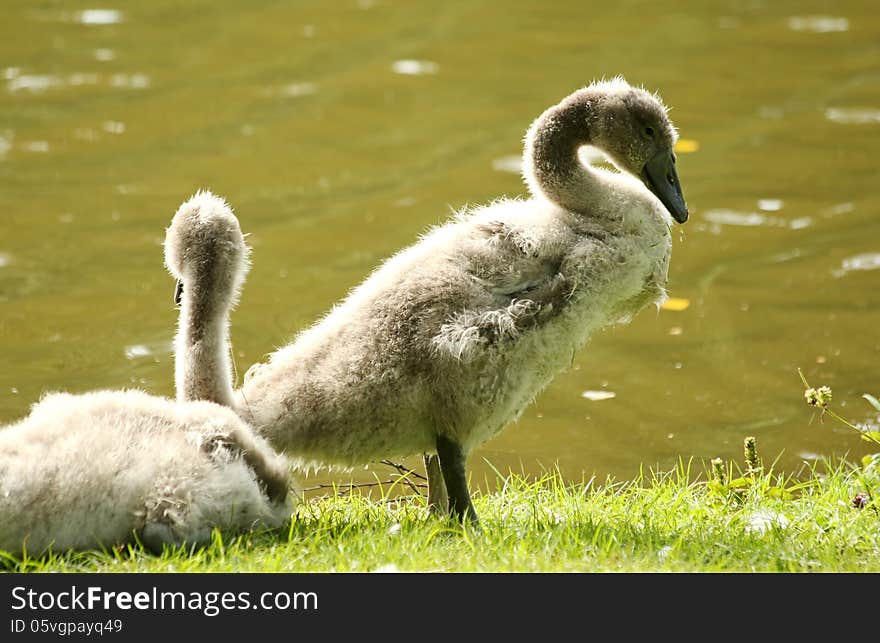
(762, 520)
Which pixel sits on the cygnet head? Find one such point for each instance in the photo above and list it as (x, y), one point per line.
(627, 123)
(205, 250)
(632, 127)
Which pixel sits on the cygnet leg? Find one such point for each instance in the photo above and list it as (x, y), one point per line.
(438, 500)
(452, 460)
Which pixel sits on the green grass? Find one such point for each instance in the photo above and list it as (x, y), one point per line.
(659, 522)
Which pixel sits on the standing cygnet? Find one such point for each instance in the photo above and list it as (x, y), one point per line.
(103, 468)
(450, 339)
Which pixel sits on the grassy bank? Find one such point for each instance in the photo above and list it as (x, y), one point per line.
(722, 521)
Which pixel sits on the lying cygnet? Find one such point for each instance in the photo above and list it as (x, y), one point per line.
(108, 467)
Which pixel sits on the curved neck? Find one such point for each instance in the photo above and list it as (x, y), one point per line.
(202, 365)
(551, 165)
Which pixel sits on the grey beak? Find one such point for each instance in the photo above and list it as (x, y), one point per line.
(178, 292)
(661, 178)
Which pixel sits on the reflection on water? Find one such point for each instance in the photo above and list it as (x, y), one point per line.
(749, 219)
(152, 350)
(770, 205)
(99, 17)
(867, 261)
(853, 116)
(342, 131)
(510, 163)
(298, 89)
(37, 83)
(35, 146)
(103, 54)
(113, 127)
(596, 396)
(29, 82)
(414, 67)
(5, 143)
(818, 24)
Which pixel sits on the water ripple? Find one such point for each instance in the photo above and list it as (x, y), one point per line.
(32, 83)
(5, 143)
(294, 90)
(512, 163)
(152, 349)
(37, 83)
(732, 217)
(818, 24)
(853, 116)
(82, 78)
(770, 205)
(99, 17)
(40, 147)
(414, 67)
(595, 396)
(839, 208)
(113, 127)
(130, 81)
(866, 261)
(752, 219)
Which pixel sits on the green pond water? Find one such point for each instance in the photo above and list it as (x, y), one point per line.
(340, 131)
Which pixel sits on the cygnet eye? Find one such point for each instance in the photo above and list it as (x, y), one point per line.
(649, 131)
